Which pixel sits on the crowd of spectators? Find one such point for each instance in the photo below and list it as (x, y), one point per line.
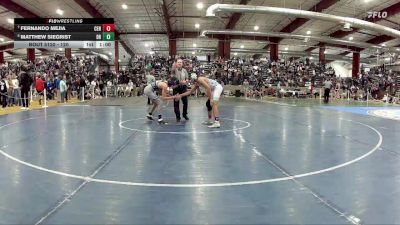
(257, 75)
(79, 76)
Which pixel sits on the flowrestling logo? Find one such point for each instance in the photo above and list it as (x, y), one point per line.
(380, 15)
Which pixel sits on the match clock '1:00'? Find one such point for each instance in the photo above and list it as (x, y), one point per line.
(104, 44)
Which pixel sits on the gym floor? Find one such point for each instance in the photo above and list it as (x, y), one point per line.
(269, 163)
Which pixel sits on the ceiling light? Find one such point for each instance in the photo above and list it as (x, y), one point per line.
(387, 59)
(286, 48)
(60, 49)
(397, 49)
(137, 26)
(242, 46)
(151, 52)
(351, 38)
(146, 45)
(197, 25)
(10, 21)
(308, 32)
(366, 1)
(59, 12)
(193, 53)
(235, 53)
(311, 57)
(346, 27)
(109, 53)
(256, 27)
(124, 6)
(325, 52)
(383, 44)
(2, 39)
(119, 60)
(200, 5)
(194, 45)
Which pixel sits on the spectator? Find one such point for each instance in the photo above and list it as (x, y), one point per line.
(16, 96)
(82, 87)
(50, 88)
(9, 91)
(68, 82)
(26, 82)
(57, 88)
(63, 89)
(327, 86)
(39, 84)
(3, 93)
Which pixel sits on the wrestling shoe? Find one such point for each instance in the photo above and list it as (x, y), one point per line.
(161, 121)
(150, 117)
(215, 125)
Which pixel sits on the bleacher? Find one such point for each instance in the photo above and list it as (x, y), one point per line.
(397, 86)
(299, 92)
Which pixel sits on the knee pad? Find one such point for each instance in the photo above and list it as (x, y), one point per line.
(208, 104)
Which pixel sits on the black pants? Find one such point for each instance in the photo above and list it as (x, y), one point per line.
(25, 98)
(3, 99)
(326, 94)
(180, 89)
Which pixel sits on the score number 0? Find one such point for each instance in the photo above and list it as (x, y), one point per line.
(108, 27)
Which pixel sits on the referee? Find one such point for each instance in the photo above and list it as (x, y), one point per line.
(182, 75)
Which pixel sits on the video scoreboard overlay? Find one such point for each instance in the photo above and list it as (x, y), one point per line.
(64, 33)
